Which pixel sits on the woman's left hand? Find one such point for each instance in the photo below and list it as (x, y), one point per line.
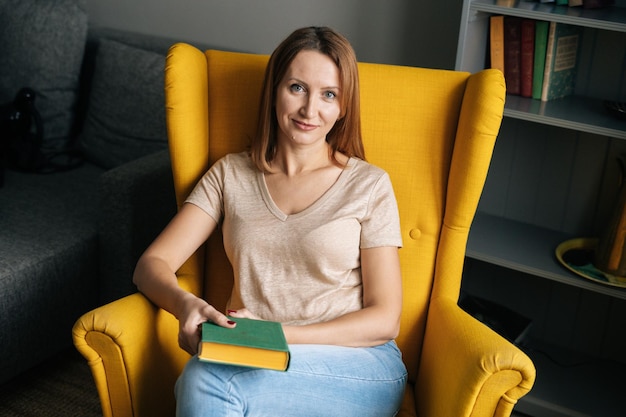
(243, 313)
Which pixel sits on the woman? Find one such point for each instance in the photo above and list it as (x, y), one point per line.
(312, 232)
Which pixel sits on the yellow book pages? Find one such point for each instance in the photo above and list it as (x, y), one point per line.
(244, 356)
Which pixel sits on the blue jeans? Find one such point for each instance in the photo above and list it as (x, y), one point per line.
(321, 381)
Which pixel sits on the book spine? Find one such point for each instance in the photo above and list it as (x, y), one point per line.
(549, 58)
(527, 57)
(512, 54)
(575, 3)
(541, 40)
(496, 42)
(562, 2)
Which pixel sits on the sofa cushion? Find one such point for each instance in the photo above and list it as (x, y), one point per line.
(42, 44)
(126, 111)
(48, 262)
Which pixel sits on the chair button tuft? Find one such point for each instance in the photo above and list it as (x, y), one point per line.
(415, 234)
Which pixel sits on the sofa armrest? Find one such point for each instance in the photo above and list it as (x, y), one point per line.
(137, 202)
(131, 347)
(467, 369)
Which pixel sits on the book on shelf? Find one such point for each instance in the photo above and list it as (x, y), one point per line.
(527, 57)
(539, 62)
(562, 2)
(559, 75)
(251, 343)
(512, 54)
(575, 3)
(496, 42)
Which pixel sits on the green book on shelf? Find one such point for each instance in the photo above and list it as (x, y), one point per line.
(559, 75)
(251, 343)
(539, 62)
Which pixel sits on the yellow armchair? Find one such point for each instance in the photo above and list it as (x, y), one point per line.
(433, 131)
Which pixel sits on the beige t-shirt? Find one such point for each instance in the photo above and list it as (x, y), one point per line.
(305, 267)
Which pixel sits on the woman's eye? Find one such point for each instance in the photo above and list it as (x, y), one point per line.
(296, 88)
(330, 95)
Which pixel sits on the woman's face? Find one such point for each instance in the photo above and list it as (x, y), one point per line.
(307, 99)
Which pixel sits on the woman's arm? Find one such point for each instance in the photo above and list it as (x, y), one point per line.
(375, 324)
(155, 273)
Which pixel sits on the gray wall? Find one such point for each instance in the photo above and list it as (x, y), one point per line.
(404, 32)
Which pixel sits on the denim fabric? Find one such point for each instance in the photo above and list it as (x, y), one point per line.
(321, 380)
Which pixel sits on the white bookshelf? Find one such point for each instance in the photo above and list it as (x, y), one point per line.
(595, 387)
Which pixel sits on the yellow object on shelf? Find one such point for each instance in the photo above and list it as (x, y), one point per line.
(577, 256)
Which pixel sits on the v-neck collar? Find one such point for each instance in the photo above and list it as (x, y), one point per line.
(280, 215)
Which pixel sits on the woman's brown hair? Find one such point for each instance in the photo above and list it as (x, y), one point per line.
(345, 136)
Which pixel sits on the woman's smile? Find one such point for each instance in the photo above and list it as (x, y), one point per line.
(305, 126)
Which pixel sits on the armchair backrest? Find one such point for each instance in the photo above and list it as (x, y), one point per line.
(433, 131)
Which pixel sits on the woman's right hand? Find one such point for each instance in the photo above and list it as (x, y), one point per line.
(193, 312)
(155, 274)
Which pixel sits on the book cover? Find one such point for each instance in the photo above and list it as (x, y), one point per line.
(527, 57)
(539, 62)
(496, 42)
(559, 75)
(251, 343)
(512, 54)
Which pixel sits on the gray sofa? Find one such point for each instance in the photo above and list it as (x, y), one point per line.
(69, 240)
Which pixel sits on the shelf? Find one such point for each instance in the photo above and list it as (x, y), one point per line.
(608, 18)
(573, 385)
(578, 113)
(526, 248)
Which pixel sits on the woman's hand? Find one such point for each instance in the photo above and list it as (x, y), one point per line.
(243, 313)
(193, 312)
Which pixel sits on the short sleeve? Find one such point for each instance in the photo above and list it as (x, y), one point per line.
(381, 224)
(208, 194)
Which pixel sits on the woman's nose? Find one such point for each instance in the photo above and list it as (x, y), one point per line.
(308, 108)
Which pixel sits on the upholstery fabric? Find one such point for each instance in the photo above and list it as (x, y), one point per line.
(41, 45)
(48, 262)
(138, 202)
(125, 117)
(433, 131)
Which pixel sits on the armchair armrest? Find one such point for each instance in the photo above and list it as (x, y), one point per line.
(137, 201)
(131, 347)
(467, 369)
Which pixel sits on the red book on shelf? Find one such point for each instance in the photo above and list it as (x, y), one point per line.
(512, 54)
(527, 56)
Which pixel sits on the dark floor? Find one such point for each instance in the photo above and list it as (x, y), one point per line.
(61, 387)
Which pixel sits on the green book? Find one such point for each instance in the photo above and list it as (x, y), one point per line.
(559, 76)
(251, 343)
(539, 62)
